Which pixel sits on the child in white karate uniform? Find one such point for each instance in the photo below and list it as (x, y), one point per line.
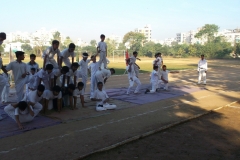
(72, 75)
(158, 62)
(66, 53)
(5, 92)
(83, 72)
(133, 62)
(49, 53)
(32, 63)
(26, 110)
(132, 78)
(102, 50)
(164, 77)
(154, 80)
(103, 74)
(102, 98)
(46, 76)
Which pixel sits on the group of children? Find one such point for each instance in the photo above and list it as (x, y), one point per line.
(54, 82)
(159, 75)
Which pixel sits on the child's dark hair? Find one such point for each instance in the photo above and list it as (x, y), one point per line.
(33, 69)
(32, 56)
(71, 86)
(41, 88)
(99, 83)
(49, 67)
(3, 35)
(80, 84)
(102, 36)
(22, 105)
(155, 67)
(19, 53)
(72, 45)
(92, 56)
(55, 42)
(65, 69)
(135, 52)
(202, 55)
(164, 66)
(113, 70)
(56, 89)
(75, 64)
(85, 54)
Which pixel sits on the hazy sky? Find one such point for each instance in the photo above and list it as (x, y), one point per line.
(87, 19)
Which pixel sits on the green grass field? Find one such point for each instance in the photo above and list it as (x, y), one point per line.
(145, 65)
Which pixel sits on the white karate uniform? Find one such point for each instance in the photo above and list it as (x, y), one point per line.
(134, 80)
(202, 68)
(101, 106)
(5, 92)
(154, 81)
(49, 53)
(49, 96)
(35, 65)
(60, 76)
(71, 75)
(24, 116)
(103, 48)
(102, 74)
(78, 93)
(133, 61)
(31, 83)
(94, 67)
(65, 54)
(18, 69)
(102, 66)
(83, 72)
(158, 62)
(46, 78)
(164, 75)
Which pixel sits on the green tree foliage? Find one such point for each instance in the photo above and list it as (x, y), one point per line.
(89, 49)
(135, 40)
(111, 46)
(208, 31)
(67, 41)
(27, 48)
(93, 43)
(237, 48)
(149, 49)
(121, 46)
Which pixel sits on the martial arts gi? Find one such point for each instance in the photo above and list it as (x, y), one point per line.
(49, 54)
(65, 54)
(101, 106)
(132, 79)
(202, 68)
(103, 49)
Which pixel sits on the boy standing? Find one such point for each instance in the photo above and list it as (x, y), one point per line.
(49, 54)
(132, 78)
(19, 70)
(102, 98)
(66, 53)
(93, 67)
(202, 70)
(133, 62)
(32, 63)
(83, 72)
(164, 77)
(102, 50)
(154, 80)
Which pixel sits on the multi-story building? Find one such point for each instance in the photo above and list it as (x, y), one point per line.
(232, 36)
(147, 31)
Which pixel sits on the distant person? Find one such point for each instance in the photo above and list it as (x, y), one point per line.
(154, 80)
(2, 79)
(133, 61)
(132, 78)
(66, 53)
(164, 77)
(32, 63)
(103, 74)
(49, 53)
(102, 98)
(83, 72)
(102, 50)
(19, 70)
(46, 76)
(202, 70)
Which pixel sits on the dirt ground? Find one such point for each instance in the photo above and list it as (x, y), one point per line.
(213, 136)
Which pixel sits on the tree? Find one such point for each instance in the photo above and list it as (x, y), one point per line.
(149, 49)
(121, 46)
(111, 46)
(135, 40)
(93, 43)
(27, 48)
(56, 36)
(89, 49)
(208, 31)
(67, 41)
(237, 48)
(192, 50)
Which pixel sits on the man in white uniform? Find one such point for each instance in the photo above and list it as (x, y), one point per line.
(164, 77)
(2, 79)
(49, 54)
(154, 80)
(19, 70)
(102, 50)
(158, 62)
(66, 53)
(93, 67)
(49, 96)
(103, 74)
(133, 61)
(132, 78)
(46, 76)
(202, 70)
(83, 72)
(102, 98)
(72, 75)
(26, 110)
